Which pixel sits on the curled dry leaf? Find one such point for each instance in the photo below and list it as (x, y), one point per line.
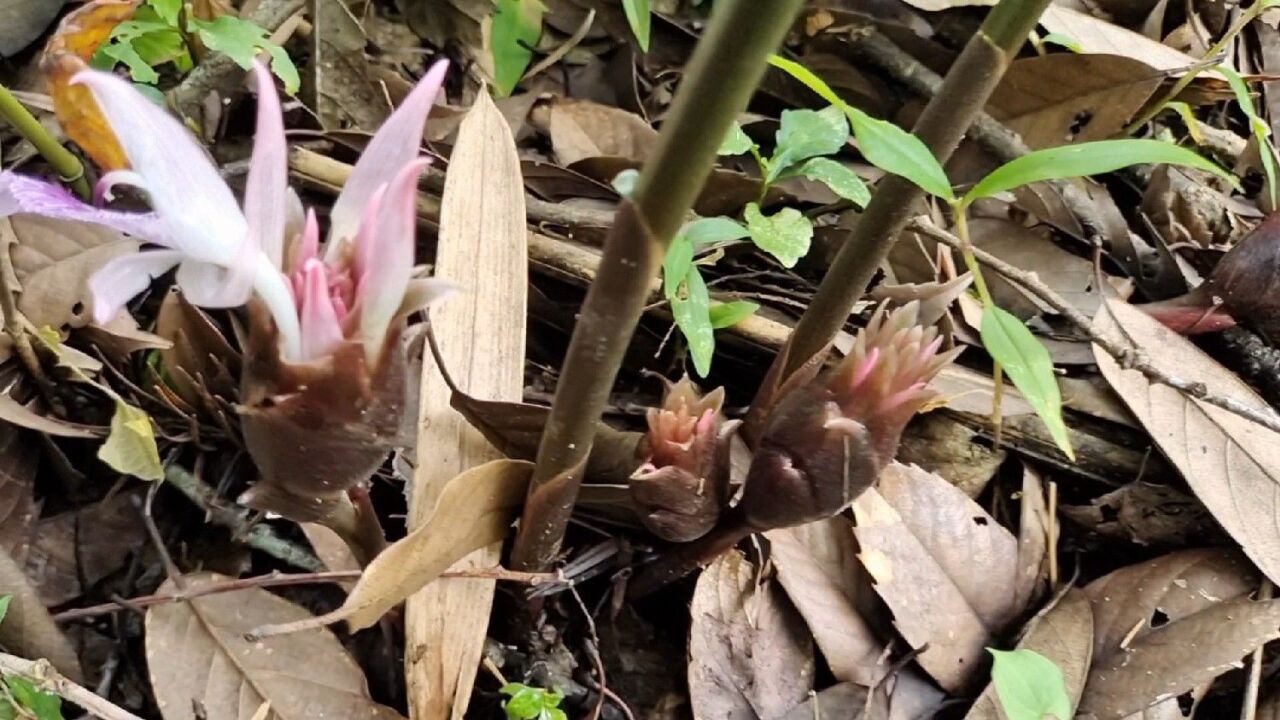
(1164, 627)
(201, 362)
(1231, 463)
(581, 129)
(944, 567)
(203, 667)
(28, 631)
(750, 655)
(1064, 634)
(1033, 541)
(15, 413)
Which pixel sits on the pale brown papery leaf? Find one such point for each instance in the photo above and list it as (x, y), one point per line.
(28, 631)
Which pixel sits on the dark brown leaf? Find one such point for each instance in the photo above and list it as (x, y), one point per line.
(19, 459)
(28, 630)
(83, 545)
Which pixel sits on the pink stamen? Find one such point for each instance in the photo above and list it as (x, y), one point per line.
(864, 368)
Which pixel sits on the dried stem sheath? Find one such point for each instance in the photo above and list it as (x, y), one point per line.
(67, 165)
(944, 122)
(725, 69)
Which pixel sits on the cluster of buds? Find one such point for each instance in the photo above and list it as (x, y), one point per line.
(323, 386)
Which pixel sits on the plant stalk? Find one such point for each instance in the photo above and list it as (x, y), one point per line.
(67, 165)
(723, 73)
(944, 122)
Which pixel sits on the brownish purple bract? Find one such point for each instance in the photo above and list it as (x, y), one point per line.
(681, 487)
(826, 441)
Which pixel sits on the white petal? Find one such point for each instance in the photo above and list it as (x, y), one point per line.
(267, 194)
(117, 282)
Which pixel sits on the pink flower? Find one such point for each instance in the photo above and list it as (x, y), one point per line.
(226, 254)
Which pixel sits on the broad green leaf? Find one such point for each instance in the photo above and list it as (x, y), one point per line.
(4, 605)
(1091, 158)
(804, 134)
(168, 10)
(625, 182)
(1028, 365)
(692, 313)
(130, 449)
(639, 17)
(785, 235)
(525, 703)
(1030, 686)
(737, 142)
(676, 264)
(1062, 40)
(37, 703)
(517, 25)
(241, 41)
(123, 52)
(728, 314)
(158, 48)
(883, 144)
(710, 230)
(842, 181)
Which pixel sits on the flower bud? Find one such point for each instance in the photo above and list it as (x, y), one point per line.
(826, 441)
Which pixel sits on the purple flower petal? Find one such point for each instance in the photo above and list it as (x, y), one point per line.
(117, 282)
(23, 194)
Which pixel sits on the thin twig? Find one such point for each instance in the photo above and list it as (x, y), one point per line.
(1249, 708)
(1129, 357)
(42, 674)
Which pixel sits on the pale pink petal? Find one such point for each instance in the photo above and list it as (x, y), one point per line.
(22, 194)
(117, 282)
(321, 331)
(388, 255)
(199, 212)
(214, 286)
(308, 246)
(266, 196)
(396, 143)
(102, 190)
(422, 293)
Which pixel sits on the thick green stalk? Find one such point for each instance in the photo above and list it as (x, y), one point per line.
(723, 73)
(944, 122)
(63, 161)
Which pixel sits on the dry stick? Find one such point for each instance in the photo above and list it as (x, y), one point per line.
(42, 674)
(944, 122)
(1249, 708)
(723, 73)
(1128, 357)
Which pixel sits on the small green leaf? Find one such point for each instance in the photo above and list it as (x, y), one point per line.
(711, 230)
(1028, 365)
(625, 182)
(639, 17)
(883, 144)
(4, 605)
(123, 52)
(842, 181)
(728, 314)
(1261, 131)
(1030, 686)
(1188, 118)
(1085, 159)
(43, 705)
(804, 134)
(785, 235)
(1062, 40)
(676, 264)
(517, 25)
(168, 10)
(130, 449)
(737, 142)
(241, 41)
(692, 313)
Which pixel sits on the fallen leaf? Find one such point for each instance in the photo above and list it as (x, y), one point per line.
(130, 448)
(843, 701)
(1097, 36)
(1231, 463)
(202, 666)
(28, 630)
(1146, 514)
(953, 450)
(19, 460)
(481, 335)
(581, 129)
(15, 413)
(750, 655)
(345, 94)
(1033, 541)
(942, 564)
(24, 21)
(1064, 635)
(201, 362)
(1168, 625)
(73, 550)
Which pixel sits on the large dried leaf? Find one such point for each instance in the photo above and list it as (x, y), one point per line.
(1099, 36)
(482, 247)
(15, 413)
(73, 550)
(474, 511)
(1169, 625)
(1064, 634)
(581, 129)
(1146, 514)
(28, 630)
(1231, 463)
(19, 459)
(202, 666)
(942, 564)
(750, 655)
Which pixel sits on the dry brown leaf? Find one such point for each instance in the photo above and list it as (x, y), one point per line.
(1163, 627)
(818, 567)
(1064, 634)
(19, 459)
(942, 564)
(750, 655)
(843, 701)
(475, 510)
(73, 550)
(344, 93)
(1063, 98)
(1099, 36)
(581, 129)
(481, 333)
(1146, 514)
(1231, 463)
(28, 631)
(1033, 541)
(938, 5)
(201, 362)
(202, 666)
(15, 413)
(1071, 276)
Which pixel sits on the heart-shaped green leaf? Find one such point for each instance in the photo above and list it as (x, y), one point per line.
(785, 235)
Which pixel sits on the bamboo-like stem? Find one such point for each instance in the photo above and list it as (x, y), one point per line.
(944, 122)
(63, 160)
(723, 73)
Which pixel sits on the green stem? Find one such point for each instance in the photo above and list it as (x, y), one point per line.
(723, 73)
(961, 212)
(66, 164)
